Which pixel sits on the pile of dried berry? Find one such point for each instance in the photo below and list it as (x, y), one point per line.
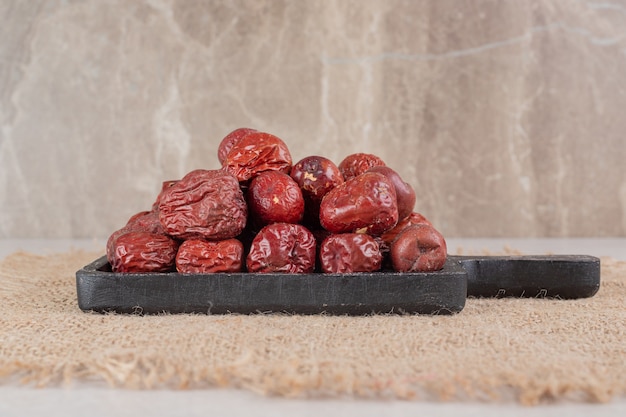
(261, 213)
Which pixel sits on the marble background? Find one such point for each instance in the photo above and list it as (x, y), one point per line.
(507, 117)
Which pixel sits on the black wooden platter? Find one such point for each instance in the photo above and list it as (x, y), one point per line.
(440, 292)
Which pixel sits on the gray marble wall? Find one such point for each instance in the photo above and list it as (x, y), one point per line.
(507, 117)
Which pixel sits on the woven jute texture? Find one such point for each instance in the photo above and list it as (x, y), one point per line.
(526, 350)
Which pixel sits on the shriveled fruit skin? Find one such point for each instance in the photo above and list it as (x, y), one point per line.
(366, 203)
(356, 164)
(164, 186)
(282, 248)
(143, 252)
(257, 152)
(206, 257)
(230, 140)
(350, 252)
(144, 221)
(418, 248)
(204, 204)
(316, 176)
(274, 197)
(414, 218)
(404, 191)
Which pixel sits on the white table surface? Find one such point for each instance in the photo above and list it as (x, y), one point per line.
(87, 399)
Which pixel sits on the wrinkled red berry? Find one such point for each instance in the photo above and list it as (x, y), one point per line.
(110, 247)
(257, 152)
(284, 248)
(143, 252)
(356, 164)
(204, 204)
(414, 218)
(205, 257)
(274, 197)
(164, 187)
(316, 176)
(364, 203)
(418, 248)
(229, 140)
(138, 216)
(144, 221)
(404, 192)
(350, 252)
(147, 221)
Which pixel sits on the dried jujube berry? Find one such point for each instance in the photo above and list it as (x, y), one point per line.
(137, 216)
(366, 203)
(350, 252)
(283, 248)
(143, 252)
(316, 176)
(205, 257)
(164, 187)
(147, 221)
(356, 164)
(404, 192)
(205, 204)
(274, 197)
(110, 247)
(144, 221)
(257, 152)
(386, 239)
(418, 248)
(390, 235)
(229, 140)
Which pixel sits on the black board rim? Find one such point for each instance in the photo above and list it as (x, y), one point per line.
(439, 292)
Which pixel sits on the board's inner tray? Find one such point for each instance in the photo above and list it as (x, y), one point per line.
(440, 292)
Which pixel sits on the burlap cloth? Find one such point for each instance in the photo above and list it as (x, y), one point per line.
(527, 350)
